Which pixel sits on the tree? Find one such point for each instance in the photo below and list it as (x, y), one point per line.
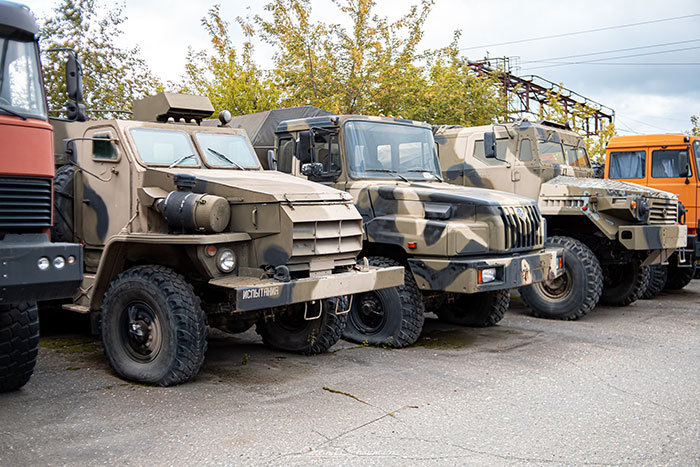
(112, 77)
(695, 121)
(369, 69)
(231, 81)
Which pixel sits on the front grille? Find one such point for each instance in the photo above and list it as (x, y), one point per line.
(327, 239)
(663, 211)
(522, 227)
(25, 202)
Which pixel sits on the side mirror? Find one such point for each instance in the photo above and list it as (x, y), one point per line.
(74, 78)
(305, 146)
(75, 111)
(271, 161)
(69, 151)
(314, 169)
(490, 145)
(684, 164)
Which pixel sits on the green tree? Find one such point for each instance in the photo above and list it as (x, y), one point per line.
(230, 79)
(695, 121)
(113, 77)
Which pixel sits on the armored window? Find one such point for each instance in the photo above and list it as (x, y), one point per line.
(104, 150)
(551, 151)
(525, 152)
(576, 156)
(501, 150)
(285, 155)
(164, 147)
(226, 150)
(668, 163)
(627, 164)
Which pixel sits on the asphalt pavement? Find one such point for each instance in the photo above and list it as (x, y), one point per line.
(621, 386)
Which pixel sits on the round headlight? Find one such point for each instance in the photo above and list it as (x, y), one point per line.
(226, 261)
(43, 263)
(59, 262)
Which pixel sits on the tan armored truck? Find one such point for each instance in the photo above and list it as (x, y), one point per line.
(610, 230)
(182, 229)
(463, 248)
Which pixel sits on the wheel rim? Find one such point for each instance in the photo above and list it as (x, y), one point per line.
(368, 313)
(141, 332)
(556, 289)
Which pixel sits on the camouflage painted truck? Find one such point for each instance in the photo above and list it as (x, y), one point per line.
(610, 230)
(463, 248)
(182, 229)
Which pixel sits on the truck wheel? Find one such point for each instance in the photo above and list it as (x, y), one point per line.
(658, 274)
(392, 317)
(290, 332)
(478, 310)
(62, 230)
(574, 293)
(624, 283)
(19, 344)
(679, 277)
(153, 327)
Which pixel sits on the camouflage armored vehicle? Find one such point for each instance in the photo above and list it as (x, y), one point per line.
(182, 229)
(463, 248)
(610, 230)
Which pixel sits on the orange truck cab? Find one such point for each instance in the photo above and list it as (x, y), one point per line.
(668, 162)
(32, 267)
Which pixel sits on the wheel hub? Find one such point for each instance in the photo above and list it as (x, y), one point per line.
(142, 337)
(556, 289)
(370, 312)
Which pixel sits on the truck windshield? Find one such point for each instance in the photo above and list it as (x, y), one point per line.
(164, 147)
(576, 156)
(21, 90)
(385, 150)
(222, 150)
(696, 152)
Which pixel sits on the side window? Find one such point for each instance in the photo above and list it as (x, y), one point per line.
(525, 152)
(667, 163)
(285, 155)
(104, 150)
(501, 149)
(627, 164)
(327, 153)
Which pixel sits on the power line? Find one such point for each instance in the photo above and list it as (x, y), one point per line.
(554, 36)
(618, 64)
(611, 51)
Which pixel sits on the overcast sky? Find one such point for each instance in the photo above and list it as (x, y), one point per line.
(648, 93)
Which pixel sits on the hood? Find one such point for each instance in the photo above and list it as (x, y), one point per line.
(447, 193)
(253, 185)
(564, 185)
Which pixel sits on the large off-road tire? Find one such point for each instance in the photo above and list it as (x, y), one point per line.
(679, 277)
(289, 331)
(478, 310)
(153, 327)
(624, 283)
(392, 317)
(574, 293)
(63, 230)
(19, 344)
(658, 274)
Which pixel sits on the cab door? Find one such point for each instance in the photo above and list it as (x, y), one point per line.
(668, 173)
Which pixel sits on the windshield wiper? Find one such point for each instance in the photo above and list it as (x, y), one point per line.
(427, 172)
(218, 154)
(389, 171)
(12, 112)
(182, 159)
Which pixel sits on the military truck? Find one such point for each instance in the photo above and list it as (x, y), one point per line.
(463, 248)
(610, 230)
(667, 162)
(182, 229)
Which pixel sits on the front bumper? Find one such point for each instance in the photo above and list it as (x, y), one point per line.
(255, 294)
(20, 278)
(462, 275)
(653, 237)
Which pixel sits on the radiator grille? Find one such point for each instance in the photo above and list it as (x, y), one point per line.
(663, 211)
(522, 227)
(25, 202)
(328, 239)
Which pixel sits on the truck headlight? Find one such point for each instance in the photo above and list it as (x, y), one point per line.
(43, 263)
(487, 275)
(59, 262)
(226, 261)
